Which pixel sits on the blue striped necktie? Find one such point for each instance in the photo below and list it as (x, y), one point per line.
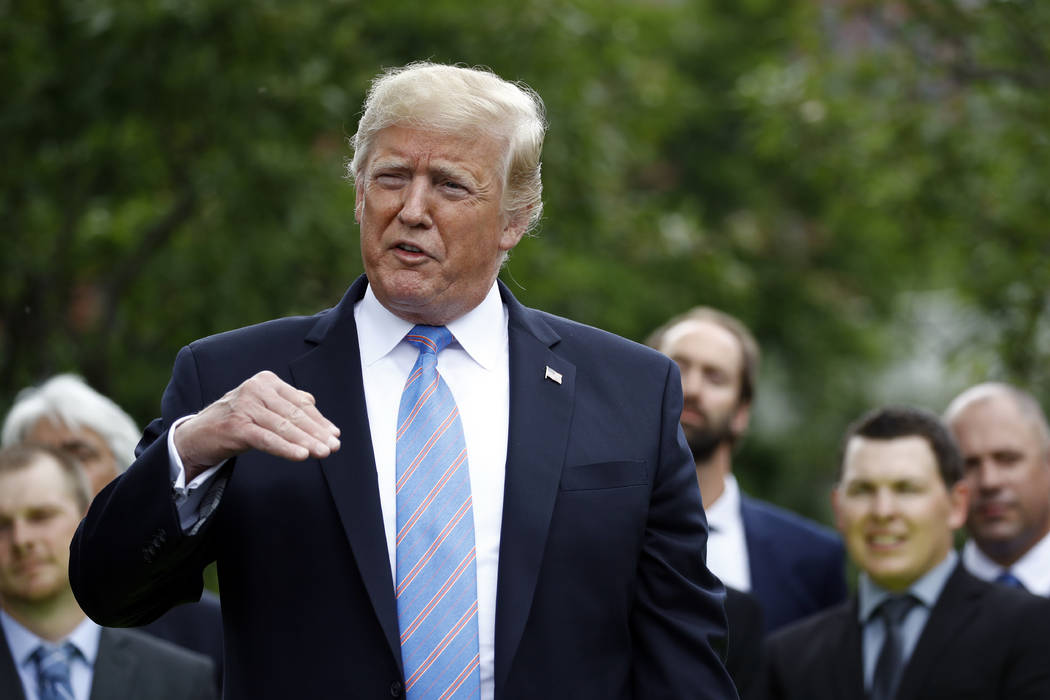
(52, 671)
(437, 599)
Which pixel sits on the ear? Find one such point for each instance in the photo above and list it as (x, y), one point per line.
(359, 200)
(514, 228)
(959, 499)
(836, 509)
(741, 419)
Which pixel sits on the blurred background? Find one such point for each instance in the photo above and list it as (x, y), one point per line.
(865, 184)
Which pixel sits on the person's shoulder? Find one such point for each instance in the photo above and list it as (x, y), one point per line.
(575, 335)
(785, 521)
(292, 327)
(803, 634)
(163, 654)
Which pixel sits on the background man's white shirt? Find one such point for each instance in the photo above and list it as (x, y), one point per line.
(1032, 570)
(726, 544)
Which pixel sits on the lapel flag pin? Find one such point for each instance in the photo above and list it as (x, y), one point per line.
(552, 375)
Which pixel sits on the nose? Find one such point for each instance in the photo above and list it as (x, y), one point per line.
(884, 505)
(987, 475)
(415, 208)
(692, 383)
(20, 535)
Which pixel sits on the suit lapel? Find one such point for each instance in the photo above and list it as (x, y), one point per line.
(115, 668)
(953, 610)
(847, 674)
(10, 681)
(331, 372)
(540, 413)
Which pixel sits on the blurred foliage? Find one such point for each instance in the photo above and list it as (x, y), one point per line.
(861, 182)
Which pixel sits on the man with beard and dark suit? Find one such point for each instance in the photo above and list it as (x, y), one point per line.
(49, 650)
(921, 627)
(429, 490)
(794, 566)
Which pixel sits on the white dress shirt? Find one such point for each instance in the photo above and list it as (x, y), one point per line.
(476, 367)
(726, 544)
(1032, 570)
(23, 643)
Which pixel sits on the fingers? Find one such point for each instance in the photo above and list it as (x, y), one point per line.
(263, 413)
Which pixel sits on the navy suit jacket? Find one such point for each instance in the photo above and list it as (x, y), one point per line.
(130, 665)
(602, 588)
(797, 566)
(982, 641)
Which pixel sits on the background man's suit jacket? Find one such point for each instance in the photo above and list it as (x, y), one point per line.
(744, 652)
(797, 566)
(602, 592)
(193, 626)
(131, 666)
(982, 641)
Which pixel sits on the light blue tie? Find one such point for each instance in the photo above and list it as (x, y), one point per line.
(52, 671)
(437, 598)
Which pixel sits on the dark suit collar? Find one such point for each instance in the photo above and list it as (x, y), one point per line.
(115, 667)
(10, 681)
(847, 676)
(331, 372)
(954, 610)
(540, 413)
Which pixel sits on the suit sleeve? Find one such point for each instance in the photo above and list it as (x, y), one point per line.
(129, 559)
(679, 622)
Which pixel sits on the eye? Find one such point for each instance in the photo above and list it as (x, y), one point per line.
(859, 488)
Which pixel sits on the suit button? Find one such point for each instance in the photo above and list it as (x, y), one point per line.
(395, 689)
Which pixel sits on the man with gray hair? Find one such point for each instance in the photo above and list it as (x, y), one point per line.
(1003, 434)
(430, 490)
(66, 414)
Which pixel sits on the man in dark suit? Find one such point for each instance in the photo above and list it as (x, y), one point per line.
(921, 627)
(68, 415)
(48, 648)
(794, 566)
(1005, 441)
(541, 537)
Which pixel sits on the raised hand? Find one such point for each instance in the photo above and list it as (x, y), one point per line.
(263, 413)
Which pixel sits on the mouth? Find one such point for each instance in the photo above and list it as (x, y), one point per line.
(410, 254)
(992, 510)
(884, 542)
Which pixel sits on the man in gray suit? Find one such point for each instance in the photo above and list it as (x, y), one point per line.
(48, 648)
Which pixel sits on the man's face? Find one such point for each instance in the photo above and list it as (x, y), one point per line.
(433, 233)
(38, 516)
(711, 362)
(1008, 470)
(894, 511)
(84, 445)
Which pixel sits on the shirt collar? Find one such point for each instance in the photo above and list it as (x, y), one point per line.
(23, 643)
(1031, 569)
(379, 330)
(724, 514)
(927, 588)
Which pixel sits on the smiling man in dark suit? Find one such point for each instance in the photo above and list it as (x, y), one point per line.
(428, 490)
(921, 627)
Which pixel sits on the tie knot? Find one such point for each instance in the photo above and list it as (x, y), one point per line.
(895, 608)
(429, 339)
(1010, 580)
(52, 661)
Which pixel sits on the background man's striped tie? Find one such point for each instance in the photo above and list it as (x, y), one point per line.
(437, 599)
(52, 671)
